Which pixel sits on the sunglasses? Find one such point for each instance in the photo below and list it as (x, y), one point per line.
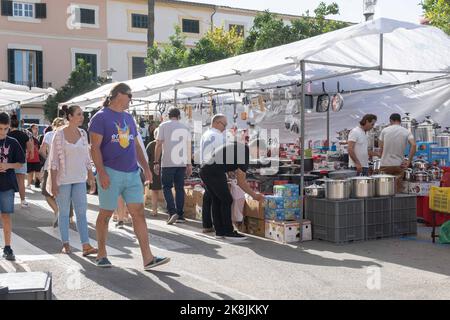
(127, 94)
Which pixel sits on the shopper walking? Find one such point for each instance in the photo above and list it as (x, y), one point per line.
(27, 146)
(116, 156)
(33, 160)
(156, 185)
(358, 145)
(231, 157)
(211, 140)
(393, 142)
(173, 145)
(70, 166)
(11, 157)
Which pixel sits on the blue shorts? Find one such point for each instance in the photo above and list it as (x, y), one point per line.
(7, 201)
(22, 170)
(125, 184)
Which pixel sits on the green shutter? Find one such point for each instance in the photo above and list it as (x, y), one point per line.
(39, 69)
(41, 10)
(7, 8)
(11, 77)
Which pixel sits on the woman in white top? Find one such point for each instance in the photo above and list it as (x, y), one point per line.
(70, 167)
(44, 152)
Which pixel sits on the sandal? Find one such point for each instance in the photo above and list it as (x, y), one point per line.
(89, 251)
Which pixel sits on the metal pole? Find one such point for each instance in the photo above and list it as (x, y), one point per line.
(381, 53)
(302, 132)
(175, 98)
(328, 129)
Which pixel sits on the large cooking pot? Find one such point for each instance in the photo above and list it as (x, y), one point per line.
(409, 174)
(409, 123)
(362, 187)
(426, 130)
(337, 189)
(420, 164)
(443, 139)
(342, 174)
(315, 191)
(384, 185)
(436, 173)
(422, 176)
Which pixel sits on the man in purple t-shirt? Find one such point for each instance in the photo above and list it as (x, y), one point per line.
(116, 155)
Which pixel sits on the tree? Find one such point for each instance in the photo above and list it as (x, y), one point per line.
(81, 80)
(269, 31)
(216, 45)
(151, 24)
(437, 12)
(172, 56)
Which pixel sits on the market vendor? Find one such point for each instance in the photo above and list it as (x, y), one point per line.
(358, 145)
(231, 157)
(393, 141)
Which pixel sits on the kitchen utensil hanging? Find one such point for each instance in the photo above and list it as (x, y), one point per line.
(323, 101)
(337, 102)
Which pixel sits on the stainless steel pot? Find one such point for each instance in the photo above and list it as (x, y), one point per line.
(443, 139)
(436, 173)
(426, 130)
(422, 176)
(409, 174)
(337, 189)
(315, 191)
(409, 123)
(420, 164)
(384, 185)
(363, 187)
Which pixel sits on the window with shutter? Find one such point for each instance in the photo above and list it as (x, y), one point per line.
(138, 67)
(7, 8)
(191, 26)
(139, 21)
(41, 10)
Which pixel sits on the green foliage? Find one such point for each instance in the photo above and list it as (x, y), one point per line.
(268, 31)
(81, 80)
(438, 13)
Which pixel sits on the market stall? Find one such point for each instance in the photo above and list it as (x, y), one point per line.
(350, 72)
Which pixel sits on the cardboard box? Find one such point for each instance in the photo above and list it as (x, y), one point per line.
(419, 188)
(198, 212)
(189, 197)
(305, 230)
(254, 226)
(283, 232)
(253, 208)
(198, 196)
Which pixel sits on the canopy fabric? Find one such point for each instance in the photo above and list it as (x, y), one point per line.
(12, 95)
(406, 46)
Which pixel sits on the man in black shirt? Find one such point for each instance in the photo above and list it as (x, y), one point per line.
(26, 143)
(11, 157)
(232, 157)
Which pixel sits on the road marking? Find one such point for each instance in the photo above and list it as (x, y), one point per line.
(26, 251)
(76, 240)
(215, 284)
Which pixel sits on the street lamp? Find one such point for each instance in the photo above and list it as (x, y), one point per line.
(369, 9)
(109, 73)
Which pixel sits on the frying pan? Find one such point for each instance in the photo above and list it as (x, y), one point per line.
(323, 101)
(337, 102)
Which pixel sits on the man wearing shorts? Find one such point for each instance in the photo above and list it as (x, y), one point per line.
(116, 154)
(11, 157)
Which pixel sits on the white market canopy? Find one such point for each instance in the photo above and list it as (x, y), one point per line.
(415, 61)
(12, 95)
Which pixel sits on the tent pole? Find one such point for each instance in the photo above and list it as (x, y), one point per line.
(328, 129)
(175, 98)
(302, 132)
(381, 52)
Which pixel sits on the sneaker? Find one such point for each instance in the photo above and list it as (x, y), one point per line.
(235, 236)
(37, 184)
(103, 263)
(219, 236)
(24, 204)
(208, 230)
(9, 255)
(120, 225)
(172, 219)
(157, 261)
(181, 220)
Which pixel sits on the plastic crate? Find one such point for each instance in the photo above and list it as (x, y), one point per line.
(336, 221)
(404, 201)
(404, 228)
(424, 213)
(440, 199)
(338, 235)
(378, 218)
(26, 286)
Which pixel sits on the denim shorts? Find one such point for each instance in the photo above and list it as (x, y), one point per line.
(7, 201)
(125, 184)
(22, 170)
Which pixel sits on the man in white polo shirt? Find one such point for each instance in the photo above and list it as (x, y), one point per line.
(358, 145)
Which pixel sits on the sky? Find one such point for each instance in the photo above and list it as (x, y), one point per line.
(350, 10)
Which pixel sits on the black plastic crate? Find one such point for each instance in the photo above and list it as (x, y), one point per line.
(378, 218)
(404, 228)
(335, 214)
(26, 286)
(378, 231)
(404, 201)
(338, 235)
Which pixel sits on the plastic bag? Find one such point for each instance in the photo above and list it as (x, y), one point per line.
(237, 209)
(444, 233)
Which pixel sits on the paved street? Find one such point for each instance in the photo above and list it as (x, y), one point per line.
(205, 268)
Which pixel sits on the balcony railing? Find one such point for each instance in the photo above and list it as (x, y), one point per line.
(43, 85)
